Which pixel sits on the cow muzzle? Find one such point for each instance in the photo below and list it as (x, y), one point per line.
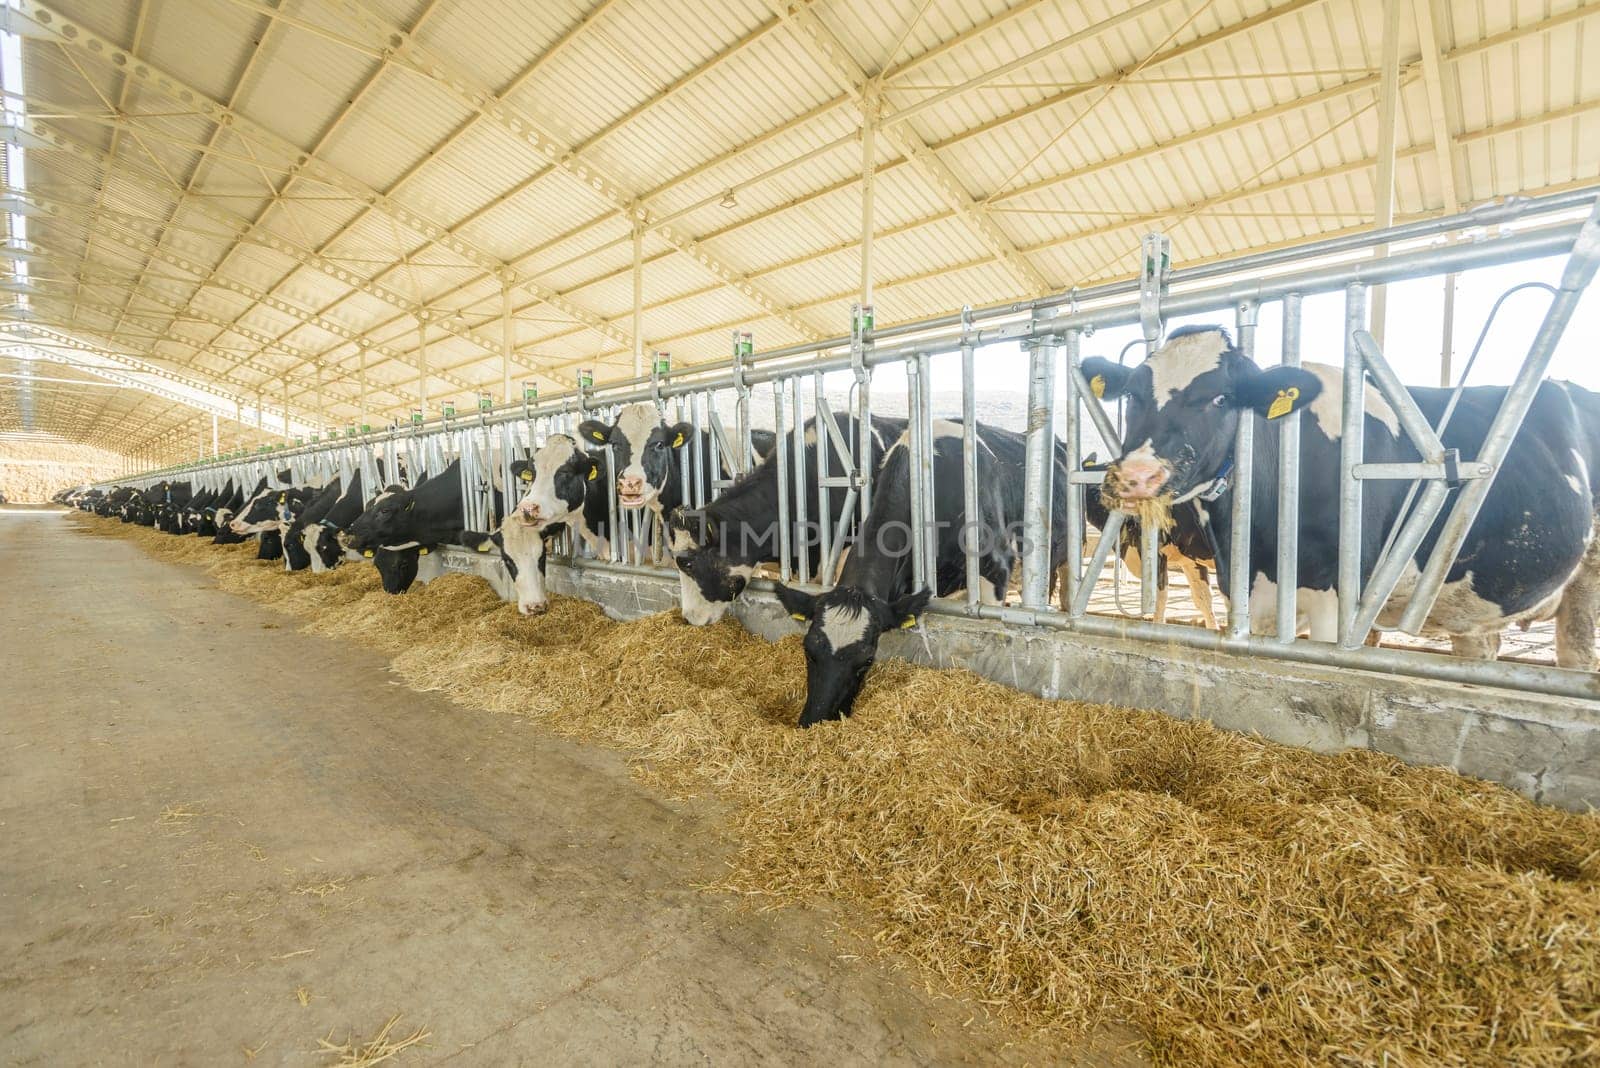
(631, 491)
(1136, 478)
(530, 513)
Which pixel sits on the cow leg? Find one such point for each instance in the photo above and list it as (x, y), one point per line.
(1199, 591)
(1476, 646)
(1575, 618)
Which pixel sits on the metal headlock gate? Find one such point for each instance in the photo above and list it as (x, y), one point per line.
(724, 397)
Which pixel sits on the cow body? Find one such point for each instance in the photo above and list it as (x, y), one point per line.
(567, 487)
(1528, 556)
(717, 549)
(875, 592)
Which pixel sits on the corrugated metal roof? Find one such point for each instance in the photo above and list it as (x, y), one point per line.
(239, 191)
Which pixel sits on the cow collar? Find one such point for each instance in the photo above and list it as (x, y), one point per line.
(329, 524)
(1210, 491)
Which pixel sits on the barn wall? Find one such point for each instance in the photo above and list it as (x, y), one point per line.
(32, 471)
(1543, 747)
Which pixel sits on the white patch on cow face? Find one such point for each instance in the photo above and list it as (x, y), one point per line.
(1580, 481)
(697, 611)
(385, 495)
(1328, 408)
(541, 495)
(682, 540)
(524, 546)
(308, 538)
(1182, 361)
(636, 423)
(843, 627)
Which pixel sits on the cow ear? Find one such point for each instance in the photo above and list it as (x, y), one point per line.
(906, 611)
(680, 434)
(410, 505)
(475, 540)
(594, 430)
(797, 603)
(1277, 391)
(1106, 380)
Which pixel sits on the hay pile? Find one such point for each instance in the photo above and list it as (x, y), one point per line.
(1239, 901)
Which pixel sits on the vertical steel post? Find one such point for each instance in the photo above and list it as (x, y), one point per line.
(1243, 482)
(971, 527)
(913, 474)
(860, 346)
(1038, 462)
(1289, 487)
(1447, 334)
(928, 530)
(1352, 447)
(780, 450)
(638, 298)
(1074, 547)
(422, 361)
(1383, 176)
(215, 448)
(802, 536)
(506, 339)
(824, 497)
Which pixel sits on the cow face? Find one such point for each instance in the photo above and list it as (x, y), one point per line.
(259, 515)
(397, 568)
(384, 520)
(843, 627)
(641, 445)
(322, 546)
(555, 484)
(707, 583)
(1184, 404)
(522, 550)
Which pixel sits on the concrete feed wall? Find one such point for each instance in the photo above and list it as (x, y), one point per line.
(1544, 747)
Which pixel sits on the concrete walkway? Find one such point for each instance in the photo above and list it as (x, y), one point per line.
(221, 840)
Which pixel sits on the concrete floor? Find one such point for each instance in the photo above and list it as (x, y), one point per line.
(221, 840)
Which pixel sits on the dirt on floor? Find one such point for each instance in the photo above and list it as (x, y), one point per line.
(224, 841)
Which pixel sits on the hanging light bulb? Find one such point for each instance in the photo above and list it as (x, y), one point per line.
(729, 200)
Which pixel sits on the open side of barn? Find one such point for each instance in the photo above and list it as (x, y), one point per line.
(221, 836)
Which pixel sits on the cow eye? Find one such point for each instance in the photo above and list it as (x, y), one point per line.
(1219, 400)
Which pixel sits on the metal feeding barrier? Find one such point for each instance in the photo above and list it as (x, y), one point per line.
(722, 399)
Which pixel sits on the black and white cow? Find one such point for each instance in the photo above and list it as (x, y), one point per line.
(321, 536)
(428, 514)
(1187, 546)
(565, 487)
(297, 547)
(651, 470)
(397, 568)
(1530, 555)
(718, 548)
(875, 591)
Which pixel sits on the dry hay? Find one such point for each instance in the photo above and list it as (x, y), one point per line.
(1239, 901)
(376, 1050)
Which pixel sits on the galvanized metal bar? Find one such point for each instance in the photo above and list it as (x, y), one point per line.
(781, 451)
(1109, 537)
(1071, 343)
(1352, 446)
(1037, 484)
(1288, 569)
(1412, 421)
(1097, 413)
(819, 406)
(802, 535)
(1575, 279)
(928, 529)
(971, 525)
(919, 447)
(1239, 563)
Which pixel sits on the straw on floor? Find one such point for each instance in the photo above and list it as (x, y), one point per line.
(1237, 901)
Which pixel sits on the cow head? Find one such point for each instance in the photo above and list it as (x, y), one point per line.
(397, 567)
(295, 554)
(555, 484)
(843, 626)
(641, 444)
(322, 545)
(259, 514)
(522, 550)
(384, 521)
(1184, 404)
(708, 583)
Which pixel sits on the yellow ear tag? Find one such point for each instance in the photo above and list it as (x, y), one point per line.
(1284, 404)
(422, 552)
(282, 497)
(1097, 385)
(908, 622)
(526, 476)
(677, 442)
(798, 618)
(368, 554)
(594, 473)
(485, 546)
(598, 435)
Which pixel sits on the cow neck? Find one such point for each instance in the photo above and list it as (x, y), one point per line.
(751, 500)
(872, 564)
